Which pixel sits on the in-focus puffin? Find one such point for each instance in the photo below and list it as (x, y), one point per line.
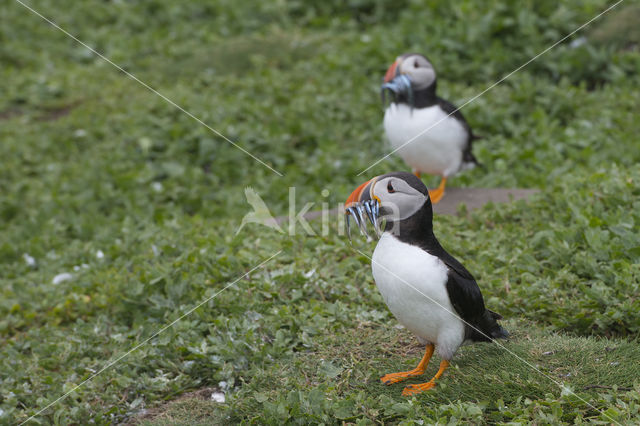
(419, 125)
(426, 288)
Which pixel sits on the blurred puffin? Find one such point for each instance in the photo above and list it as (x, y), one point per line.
(419, 125)
(425, 288)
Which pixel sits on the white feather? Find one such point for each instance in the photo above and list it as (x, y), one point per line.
(413, 285)
(437, 151)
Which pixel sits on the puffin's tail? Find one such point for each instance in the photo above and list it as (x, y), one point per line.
(487, 328)
(469, 161)
(497, 331)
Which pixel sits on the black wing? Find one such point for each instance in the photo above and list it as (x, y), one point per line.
(463, 290)
(466, 298)
(450, 108)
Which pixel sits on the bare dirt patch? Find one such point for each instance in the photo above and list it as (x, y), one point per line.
(158, 412)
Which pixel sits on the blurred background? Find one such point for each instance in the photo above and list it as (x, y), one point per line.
(118, 211)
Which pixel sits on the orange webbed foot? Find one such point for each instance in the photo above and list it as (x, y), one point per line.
(416, 389)
(437, 194)
(389, 379)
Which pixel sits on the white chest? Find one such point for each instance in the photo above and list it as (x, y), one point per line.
(437, 140)
(413, 285)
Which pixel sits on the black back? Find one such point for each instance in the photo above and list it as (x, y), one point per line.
(462, 288)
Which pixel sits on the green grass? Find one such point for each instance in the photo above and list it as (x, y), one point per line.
(93, 162)
(498, 380)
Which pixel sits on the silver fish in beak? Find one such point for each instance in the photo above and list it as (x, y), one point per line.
(400, 85)
(361, 206)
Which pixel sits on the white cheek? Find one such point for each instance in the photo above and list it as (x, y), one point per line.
(401, 207)
(409, 206)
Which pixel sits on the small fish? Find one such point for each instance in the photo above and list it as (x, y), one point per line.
(369, 209)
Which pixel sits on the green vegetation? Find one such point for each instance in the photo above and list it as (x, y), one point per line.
(316, 383)
(102, 179)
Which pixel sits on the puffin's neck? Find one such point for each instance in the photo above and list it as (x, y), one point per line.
(416, 230)
(422, 98)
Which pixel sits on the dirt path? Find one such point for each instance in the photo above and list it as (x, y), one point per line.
(473, 198)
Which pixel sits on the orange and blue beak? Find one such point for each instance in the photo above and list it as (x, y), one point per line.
(397, 83)
(363, 203)
(392, 72)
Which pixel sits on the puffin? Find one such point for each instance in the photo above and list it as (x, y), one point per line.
(428, 291)
(429, 133)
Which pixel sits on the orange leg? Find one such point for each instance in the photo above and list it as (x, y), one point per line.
(391, 378)
(415, 389)
(417, 173)
(436, 194)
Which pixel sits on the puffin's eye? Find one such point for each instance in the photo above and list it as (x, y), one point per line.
(416, 64)
(390, 189)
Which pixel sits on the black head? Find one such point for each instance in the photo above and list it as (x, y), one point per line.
(399, 198)
(411, 79)
(416, 67)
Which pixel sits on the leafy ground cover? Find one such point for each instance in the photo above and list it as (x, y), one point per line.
(322, 385)
(119, 212)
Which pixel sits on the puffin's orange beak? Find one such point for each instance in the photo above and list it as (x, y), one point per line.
(391, 72)
(363, 204)
(356, 195)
